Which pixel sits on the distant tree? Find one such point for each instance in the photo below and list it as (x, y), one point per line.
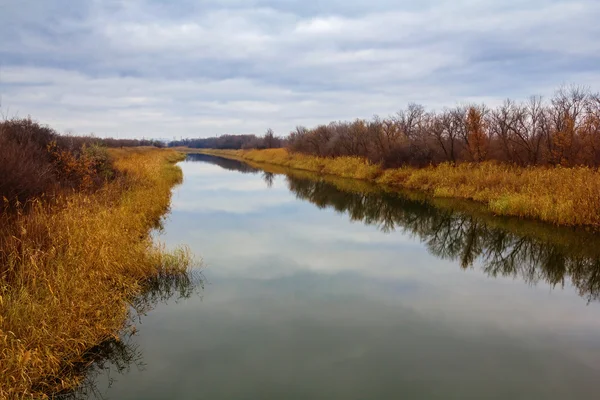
(269, 139)
(476, 138)
(234, 142)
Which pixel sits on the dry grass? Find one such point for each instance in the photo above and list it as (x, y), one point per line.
(73, 265)
(347, 167)
(561, 196)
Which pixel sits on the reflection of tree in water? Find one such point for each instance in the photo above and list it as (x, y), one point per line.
(114, 354)
(533, 251)
(268, 177)
(225, 163)
(167, 286)
(119, 354)
(233, 165)
(460, 236)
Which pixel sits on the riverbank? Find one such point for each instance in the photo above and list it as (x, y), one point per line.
(557, 195)
(73, 264)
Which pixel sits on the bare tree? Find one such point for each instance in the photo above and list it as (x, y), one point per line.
(269, 139)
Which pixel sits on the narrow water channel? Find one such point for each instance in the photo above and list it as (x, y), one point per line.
(331, 289)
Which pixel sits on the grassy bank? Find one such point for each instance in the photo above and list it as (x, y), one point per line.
(70, 266)
(561, 196)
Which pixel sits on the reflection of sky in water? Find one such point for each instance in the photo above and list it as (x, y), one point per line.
(302, 303)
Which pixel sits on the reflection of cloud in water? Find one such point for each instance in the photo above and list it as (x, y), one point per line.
(223, 193)
(204, 170)
(227, 201)
(231, 188)
(337, 338)
(240, 252)
(280, 241)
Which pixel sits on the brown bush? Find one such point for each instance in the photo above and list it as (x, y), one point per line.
(26, 168)
(35, 160)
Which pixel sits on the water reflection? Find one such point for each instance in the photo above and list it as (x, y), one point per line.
(303, 303)
(453, 230)
(167, 286)
(226, 163)
(118, 355)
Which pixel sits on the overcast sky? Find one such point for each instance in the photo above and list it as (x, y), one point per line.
(189, 68)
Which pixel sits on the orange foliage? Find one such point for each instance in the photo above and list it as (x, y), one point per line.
(563, 140)
(477, 137)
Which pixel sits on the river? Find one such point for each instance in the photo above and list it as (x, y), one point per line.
(322, 288)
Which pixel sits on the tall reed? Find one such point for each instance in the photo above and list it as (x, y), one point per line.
(71, 266)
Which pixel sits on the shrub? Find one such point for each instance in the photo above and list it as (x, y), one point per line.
(36, 161)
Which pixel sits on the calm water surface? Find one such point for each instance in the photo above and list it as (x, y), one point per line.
(331, 289)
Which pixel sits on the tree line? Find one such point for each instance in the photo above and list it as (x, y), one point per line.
(232, 142)
(564, 130)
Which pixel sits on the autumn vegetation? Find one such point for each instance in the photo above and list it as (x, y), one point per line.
(561, 196)
(537, 159)
(75, 249)
(564, 131)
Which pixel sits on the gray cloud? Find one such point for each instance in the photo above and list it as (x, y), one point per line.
(158, 68)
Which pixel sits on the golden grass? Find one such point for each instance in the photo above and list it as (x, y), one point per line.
(561, 196)
(72, 267)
